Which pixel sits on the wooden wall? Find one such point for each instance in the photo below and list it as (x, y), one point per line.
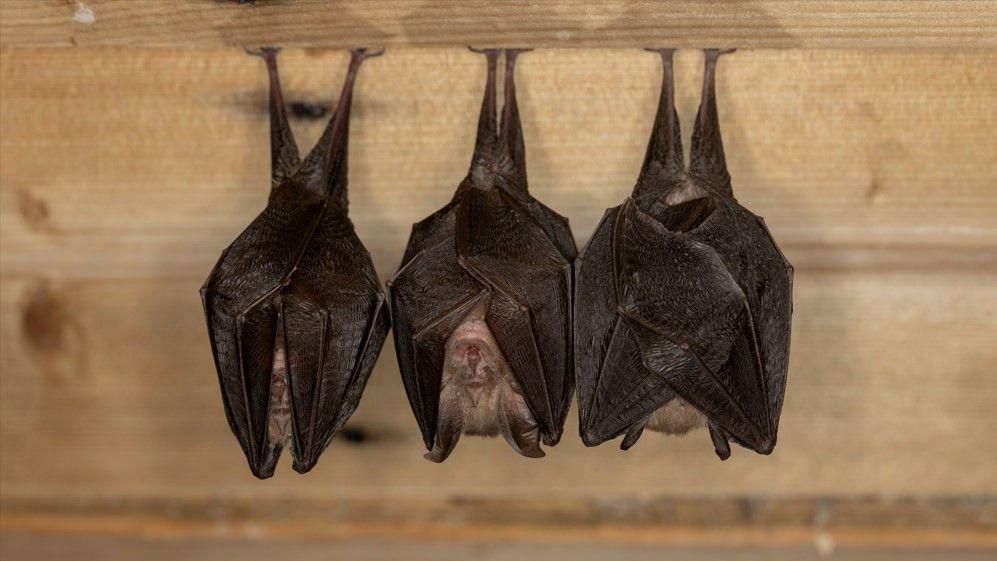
(128, 162)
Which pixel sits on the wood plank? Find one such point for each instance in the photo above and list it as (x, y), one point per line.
(109, 391)
(570, 23)
(28, 547)
(116, 163)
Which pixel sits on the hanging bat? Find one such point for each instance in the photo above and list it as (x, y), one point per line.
(295, 311)
(481, 306)
(683, 300)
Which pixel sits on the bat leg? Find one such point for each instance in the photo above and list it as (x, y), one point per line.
(664, 150)
(512, 130)
(484, 146)
(720, 442)
(324, 169)
(706, 157)
(633, 435)
(283, 150)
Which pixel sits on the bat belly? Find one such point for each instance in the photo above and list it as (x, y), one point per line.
(479, 395)
(279, 409)
(676, 417)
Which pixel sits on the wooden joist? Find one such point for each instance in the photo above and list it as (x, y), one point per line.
(567, 23)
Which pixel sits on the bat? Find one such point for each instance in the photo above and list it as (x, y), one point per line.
(295, 311)
(683, 300)
(481, 306)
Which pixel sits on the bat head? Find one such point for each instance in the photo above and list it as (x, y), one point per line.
(479, 395)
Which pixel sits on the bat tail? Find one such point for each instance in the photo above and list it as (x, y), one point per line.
(325, 168)
(706, 157)
(664, 149)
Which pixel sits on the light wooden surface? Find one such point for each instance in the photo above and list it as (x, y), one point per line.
(565, 23)
(58, 548)
(124, 172)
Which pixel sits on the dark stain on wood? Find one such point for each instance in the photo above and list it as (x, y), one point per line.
(44, 321)
(35, 212)
(53, 335)
(354, 434)
(308, 109)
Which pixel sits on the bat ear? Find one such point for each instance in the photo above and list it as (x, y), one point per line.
(324, 170)
(664, 149)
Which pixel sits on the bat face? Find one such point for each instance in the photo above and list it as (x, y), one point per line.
(683, 300)
(295, 312)
(482, 303)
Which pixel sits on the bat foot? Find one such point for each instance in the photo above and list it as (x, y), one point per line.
(483, 51)
(661, 51)
(364, 53)
(717, 53)
(266, 51)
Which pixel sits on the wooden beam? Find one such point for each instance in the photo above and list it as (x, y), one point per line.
(116, 163)
(109, 390)
(221, 542)
(569, 23)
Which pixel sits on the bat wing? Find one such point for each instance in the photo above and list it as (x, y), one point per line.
(615, 390)
(334, 325)
(530, 312)
(744, 243)
(693, 324)
(238, 300)
(429, 297)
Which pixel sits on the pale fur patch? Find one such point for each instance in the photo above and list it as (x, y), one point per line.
(479, 394)
(676, 417)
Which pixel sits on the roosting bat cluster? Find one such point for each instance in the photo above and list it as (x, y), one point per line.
(676, 315)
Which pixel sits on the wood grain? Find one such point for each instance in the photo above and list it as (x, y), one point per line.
(566, 23)
(124, 172)
(878, 403)
(127, 548)
(144, 164)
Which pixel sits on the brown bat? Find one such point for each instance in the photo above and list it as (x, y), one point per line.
(295, 311)
(683, 300)
(481, 306)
